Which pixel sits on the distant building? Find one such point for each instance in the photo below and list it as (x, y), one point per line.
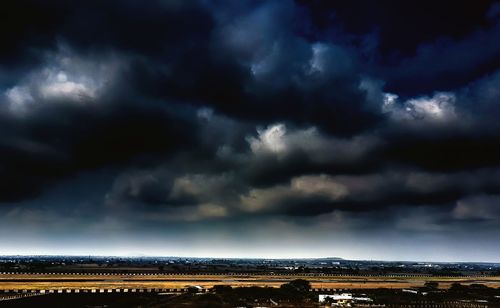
(343, 299)
(413, 291)
(199, 289)
(410, 291)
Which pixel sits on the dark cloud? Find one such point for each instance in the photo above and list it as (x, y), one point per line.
(55, 125)
(416, 22)
(255, 68)
(33, 25)
(56, 150)
(416, 48)
(446, 63)
(300, 112)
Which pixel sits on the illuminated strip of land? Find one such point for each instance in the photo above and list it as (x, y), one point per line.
(41, 281)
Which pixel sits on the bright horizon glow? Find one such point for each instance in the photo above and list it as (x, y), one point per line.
(233, 256)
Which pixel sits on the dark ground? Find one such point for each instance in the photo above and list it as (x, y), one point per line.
(83, 300)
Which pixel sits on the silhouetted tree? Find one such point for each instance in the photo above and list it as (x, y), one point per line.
(431, 285)
(300, 285)
(222, 289)
(192, 290)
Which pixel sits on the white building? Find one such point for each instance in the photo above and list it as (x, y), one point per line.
(343, 299)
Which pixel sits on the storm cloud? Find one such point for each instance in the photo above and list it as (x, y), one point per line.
(219, 117)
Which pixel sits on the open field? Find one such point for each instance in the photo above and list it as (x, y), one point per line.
(161, 281)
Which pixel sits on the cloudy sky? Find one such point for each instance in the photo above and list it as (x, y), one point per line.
(357, 129)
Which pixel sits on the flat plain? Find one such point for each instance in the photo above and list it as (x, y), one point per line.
(58, 281)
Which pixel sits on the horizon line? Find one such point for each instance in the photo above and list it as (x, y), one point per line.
(240, 258)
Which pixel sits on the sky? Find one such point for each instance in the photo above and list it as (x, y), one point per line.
(275, 128)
